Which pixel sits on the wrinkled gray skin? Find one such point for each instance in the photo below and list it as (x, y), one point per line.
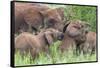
(26, 42)
(31, 17)
(74, 34)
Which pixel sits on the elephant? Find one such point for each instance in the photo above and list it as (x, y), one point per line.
(27, 42)
(74, 34)
(89, 46)
(31, 17)
(54, 18)
(28, 17)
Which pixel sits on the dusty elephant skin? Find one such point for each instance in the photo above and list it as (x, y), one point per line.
(54, 18)
(89, 46)
(34, 44)
(30, 16)
(67, 44)
(74, 34)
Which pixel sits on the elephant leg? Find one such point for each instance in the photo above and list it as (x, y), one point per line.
(35, 31)
(77, 49)
(30, 28)
(85, 49)
(33, 53)
(47, 51)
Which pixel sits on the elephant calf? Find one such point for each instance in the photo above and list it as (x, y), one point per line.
(74, 34)
(34, 44)
(89, 46)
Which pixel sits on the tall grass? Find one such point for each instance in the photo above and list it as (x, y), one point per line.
(83, 13)
(54, 57)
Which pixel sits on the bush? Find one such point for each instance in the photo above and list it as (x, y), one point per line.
(84, 13)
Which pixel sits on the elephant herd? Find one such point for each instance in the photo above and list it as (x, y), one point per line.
(38, 26)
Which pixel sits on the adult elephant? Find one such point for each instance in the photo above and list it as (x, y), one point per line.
(30, 16)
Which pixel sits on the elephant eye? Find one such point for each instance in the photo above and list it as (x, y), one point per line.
(52, 21)
(82, 26)
(50, 24)
(77, 27)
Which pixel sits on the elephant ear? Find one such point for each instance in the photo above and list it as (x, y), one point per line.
(49, 38)
(73, 29)
(43, 13)
(87, 27)
(65, 27)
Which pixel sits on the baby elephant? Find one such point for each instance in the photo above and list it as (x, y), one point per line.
(34, 44)
(90, 44)
(74, 34)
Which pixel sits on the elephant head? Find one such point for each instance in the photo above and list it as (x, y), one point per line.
(76, 29)
(54, 18)
(53, 35)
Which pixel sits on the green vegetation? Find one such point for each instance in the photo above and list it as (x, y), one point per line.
(83, 13)
(55, 57)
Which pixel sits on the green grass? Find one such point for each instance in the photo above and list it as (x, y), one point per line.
(55, 57)
(84, 13)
